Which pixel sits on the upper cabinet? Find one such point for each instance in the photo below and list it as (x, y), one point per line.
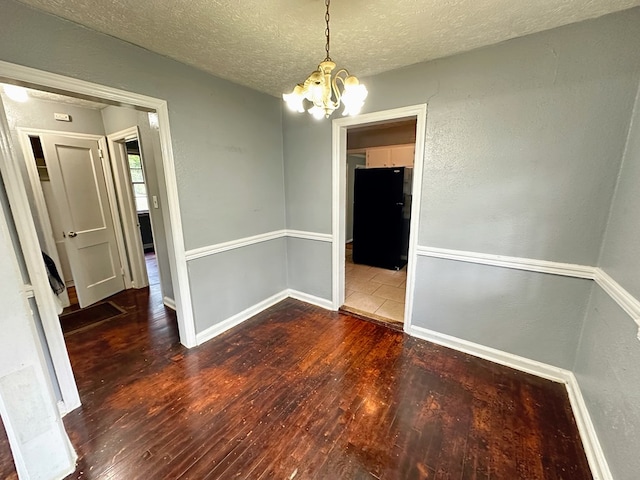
(390, 156)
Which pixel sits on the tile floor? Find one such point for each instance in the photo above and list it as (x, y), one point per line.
(375, 291)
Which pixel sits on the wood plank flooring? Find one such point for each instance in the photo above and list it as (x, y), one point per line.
(299, 392)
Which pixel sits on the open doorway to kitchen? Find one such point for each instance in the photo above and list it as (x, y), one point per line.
(403, 157)
(379, 176)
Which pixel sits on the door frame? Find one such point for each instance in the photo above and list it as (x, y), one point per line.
(339, 193)
(126, 202)
(42, 211)
(19, 204)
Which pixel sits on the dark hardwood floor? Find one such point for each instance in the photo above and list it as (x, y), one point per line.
(299, 392)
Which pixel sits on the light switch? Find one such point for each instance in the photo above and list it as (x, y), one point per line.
(155, 201)
(62, 117)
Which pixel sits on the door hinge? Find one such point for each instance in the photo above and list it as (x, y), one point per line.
(122, 271)
(101, 153)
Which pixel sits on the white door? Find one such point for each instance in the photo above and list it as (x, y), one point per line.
(78, 182)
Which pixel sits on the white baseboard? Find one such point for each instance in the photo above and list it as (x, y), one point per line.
(492, 354)
(169, 303)
(593, 450)
(238, 318)
(312, 299)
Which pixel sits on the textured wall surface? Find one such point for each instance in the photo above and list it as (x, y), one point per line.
(523, 146)
(621, 250)
(304, 256)
(227, 139)
(608, 361)
(257, 272)
(534, 315)
(609, 377)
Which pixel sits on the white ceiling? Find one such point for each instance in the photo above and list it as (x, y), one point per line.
(270, 45)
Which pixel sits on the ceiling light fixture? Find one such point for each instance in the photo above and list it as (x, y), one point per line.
(323, 91)
(16, 93)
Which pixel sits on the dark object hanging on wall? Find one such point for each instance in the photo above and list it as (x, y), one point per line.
(57, 285)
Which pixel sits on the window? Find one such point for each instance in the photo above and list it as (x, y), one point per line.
(137, 179)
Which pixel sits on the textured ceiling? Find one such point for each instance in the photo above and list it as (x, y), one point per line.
(270, 45)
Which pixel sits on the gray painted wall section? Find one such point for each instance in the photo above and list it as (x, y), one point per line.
(523, 145)
(534, 315)
(257, 272)
(608, 359)
(607, 371)
(309, 266)
(227, 139)
(117, 119)
(621, 249)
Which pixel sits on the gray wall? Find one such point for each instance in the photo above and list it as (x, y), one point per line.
(307, 270)
(534, 315)
(117, 119)
(523, 144)
(258, 271)
(609, 353)
(227, 139)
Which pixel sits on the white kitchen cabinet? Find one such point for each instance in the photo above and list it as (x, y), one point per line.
(390, 156)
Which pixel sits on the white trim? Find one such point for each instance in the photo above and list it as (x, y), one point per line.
(312, 299)
(252, 240)
(622, 297)
(339, 174)
(30, 246)
(233, 244)
(494, 355)
(518, 263)
(28, 237)
(593, 450)
(238, 318)
(320, 237)
(169, 303)
(134, 261)
(28, 291)
(116, 213)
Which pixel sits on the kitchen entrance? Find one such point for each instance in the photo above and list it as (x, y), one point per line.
(379, 182)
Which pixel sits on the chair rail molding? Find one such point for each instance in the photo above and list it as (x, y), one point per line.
(216, 248)
(518, 263)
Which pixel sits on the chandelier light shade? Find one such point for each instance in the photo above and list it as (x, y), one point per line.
(324, 91)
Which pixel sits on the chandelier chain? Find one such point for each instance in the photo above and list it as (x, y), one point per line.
(327, 32)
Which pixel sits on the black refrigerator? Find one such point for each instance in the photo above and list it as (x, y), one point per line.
(381, 216)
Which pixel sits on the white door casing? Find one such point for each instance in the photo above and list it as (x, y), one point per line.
(78, 182)
(126, 203)
(339, 167)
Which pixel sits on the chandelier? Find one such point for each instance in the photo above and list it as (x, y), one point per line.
(323, 91)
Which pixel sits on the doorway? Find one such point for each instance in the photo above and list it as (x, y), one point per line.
(379, 172)
(400, 278)
(36, 284)
(77, 219)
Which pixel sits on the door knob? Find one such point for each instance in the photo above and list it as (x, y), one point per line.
(72, 234)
